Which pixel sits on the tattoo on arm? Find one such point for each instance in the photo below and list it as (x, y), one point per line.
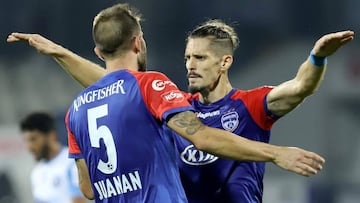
(188, 121)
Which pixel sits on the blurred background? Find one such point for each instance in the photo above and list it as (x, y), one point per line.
(275, 38)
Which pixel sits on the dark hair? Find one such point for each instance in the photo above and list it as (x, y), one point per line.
(41, 121)
(114, 28)
(219, 32)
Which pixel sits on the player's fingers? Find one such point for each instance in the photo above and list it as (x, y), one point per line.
(21, 36)
(312, 163)
(11, 38)
(346, 40)
(347, 33)
(301, 171)
(308, 169)
(32, 41)
(340, 35)
(316, 157)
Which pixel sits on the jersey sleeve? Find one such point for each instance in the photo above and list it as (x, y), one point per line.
(74, 149)
(161, 95)
(255, 102)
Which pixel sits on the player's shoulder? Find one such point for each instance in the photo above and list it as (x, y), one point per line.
(147, 74)
(157, 80)
(239, 93)
(261, 88)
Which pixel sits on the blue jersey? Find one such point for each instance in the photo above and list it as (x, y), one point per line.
(207, 178)
(118, 125)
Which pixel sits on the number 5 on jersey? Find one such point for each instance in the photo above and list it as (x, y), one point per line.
(96, 133)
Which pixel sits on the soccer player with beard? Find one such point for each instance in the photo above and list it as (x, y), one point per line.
(54, 178)
(209, 50)
(249, 113)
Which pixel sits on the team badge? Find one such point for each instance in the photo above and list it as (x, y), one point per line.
(230, 121)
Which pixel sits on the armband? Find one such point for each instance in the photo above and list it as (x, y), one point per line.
(317, 60)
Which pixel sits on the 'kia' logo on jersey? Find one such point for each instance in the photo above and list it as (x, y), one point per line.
(230, 121)
(193, 156)
(173, 96)
(159, 85)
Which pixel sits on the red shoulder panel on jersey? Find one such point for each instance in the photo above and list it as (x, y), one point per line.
(159, 93)
(255, 102)
(73, 146)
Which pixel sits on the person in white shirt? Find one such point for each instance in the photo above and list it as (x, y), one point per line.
(54, 178)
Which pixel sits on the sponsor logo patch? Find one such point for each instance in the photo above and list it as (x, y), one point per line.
(195, 157)
(173, 96)
(159, 85)
(207, 114)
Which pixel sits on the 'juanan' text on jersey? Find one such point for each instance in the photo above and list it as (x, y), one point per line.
(98, 94)
(118, 185)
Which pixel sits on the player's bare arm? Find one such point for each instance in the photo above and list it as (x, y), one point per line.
(225, 144)
(79, 200)
(285, 97)
(84, 179)
(82, 70)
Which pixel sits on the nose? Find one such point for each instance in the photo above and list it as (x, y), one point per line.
(190, 64)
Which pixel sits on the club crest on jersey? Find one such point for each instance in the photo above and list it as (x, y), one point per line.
(230, 121)
(159, 85)
(173, 96)
(195, 157)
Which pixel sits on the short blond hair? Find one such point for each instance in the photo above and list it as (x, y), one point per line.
(115, 27)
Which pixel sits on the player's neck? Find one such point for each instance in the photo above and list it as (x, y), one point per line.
(219, 91)
(127, 61)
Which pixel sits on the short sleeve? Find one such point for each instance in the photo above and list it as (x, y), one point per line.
(162, 97)
(255, 102)
(74, 149)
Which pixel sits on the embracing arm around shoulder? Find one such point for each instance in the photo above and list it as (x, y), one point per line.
(288, 95)
(219, 142)
(228, 145)
(84, 179)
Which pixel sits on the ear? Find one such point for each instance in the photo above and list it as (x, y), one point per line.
(137, 43)
(226, 62)
(98, 53)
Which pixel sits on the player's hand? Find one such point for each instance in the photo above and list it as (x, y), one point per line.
(40, 43)
(329, 43)
(299, 161)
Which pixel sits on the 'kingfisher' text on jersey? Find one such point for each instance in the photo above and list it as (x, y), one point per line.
(118, 185)
(98, 94)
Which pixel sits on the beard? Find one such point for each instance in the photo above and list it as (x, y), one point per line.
(193, 89)
(204, 90)
(141, 60)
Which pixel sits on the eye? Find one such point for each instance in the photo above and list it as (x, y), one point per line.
(199, 57)
(186, 58)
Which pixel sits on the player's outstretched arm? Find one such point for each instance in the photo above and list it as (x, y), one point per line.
(84, 179)
(227, 145)
(82, 70)
(285, 97)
